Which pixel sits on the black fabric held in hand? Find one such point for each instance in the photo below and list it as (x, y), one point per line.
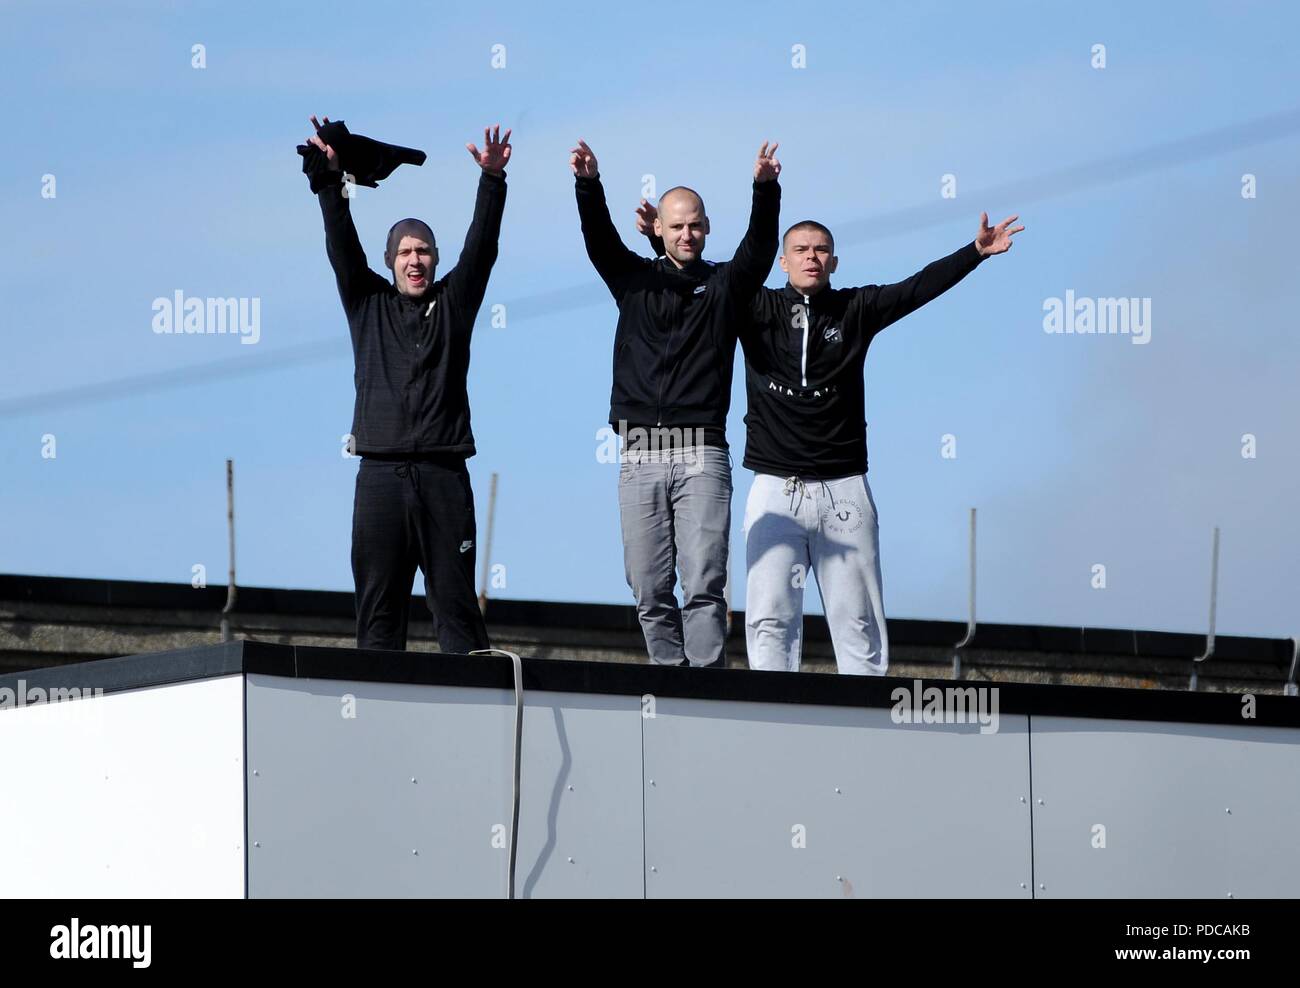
(367, 161)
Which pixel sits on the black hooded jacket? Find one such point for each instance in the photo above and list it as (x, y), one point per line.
(412, 354)
(675, 343)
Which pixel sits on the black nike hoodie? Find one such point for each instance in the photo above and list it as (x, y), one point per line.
(412, 354)
(675, 343)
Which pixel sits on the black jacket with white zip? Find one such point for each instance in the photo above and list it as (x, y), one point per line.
(675, 344)
(412, 354)
(804, 358)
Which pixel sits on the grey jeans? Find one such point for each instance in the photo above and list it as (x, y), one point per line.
(675, 509)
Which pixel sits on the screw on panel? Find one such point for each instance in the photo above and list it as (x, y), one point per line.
(652, 782)
(1023, 885)
(412, 780)
(414, 851)
(839, 878)
(570, 860)
(1040, 802)
(653, 868)
(1227, 809)
(256, 772)
(837, 789)
(1041, 885)
(1022, 799)
(570, 788)
(257, 843)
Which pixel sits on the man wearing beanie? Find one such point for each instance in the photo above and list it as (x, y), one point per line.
(411, 425)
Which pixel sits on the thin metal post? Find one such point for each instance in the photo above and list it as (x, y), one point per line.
(1214, 597)
(230, 529)
(970, 620)
(487, 548)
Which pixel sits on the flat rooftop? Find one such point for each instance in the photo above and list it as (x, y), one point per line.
(48, 621)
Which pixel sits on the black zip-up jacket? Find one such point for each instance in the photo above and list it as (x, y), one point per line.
(412, 354)
(804, 360)
(677, 328)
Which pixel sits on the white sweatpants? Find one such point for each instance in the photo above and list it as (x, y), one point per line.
(827, 529)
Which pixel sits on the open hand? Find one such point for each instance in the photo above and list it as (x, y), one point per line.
(645, 218)
(496, 150)
(995, 240)
(583, 161)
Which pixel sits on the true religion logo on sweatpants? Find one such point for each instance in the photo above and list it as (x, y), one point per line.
(843, 518)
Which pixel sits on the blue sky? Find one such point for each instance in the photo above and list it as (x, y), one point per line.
(1077, 450)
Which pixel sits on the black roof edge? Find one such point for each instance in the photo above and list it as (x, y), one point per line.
(618, 617)
(609, 678)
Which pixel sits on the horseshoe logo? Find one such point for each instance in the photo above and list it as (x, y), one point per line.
(844, 519)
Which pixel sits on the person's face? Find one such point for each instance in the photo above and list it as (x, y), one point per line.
(808, 260)
(683, 226)
(413, 264)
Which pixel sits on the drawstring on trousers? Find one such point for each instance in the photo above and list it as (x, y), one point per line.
(407, 468)
(793, 484)
(796, 484)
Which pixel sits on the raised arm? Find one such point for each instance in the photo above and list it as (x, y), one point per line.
(467, 281)
(885, 304)
(342, 245)
(753, 260)
(609, 255)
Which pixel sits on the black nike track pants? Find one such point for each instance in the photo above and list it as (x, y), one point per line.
(415, 513)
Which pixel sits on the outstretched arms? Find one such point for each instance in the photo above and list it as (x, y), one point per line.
(885, 304)
(467, 281)
(609, 255)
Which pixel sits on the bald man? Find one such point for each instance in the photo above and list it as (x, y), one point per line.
(411, 427)
(678, 320)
